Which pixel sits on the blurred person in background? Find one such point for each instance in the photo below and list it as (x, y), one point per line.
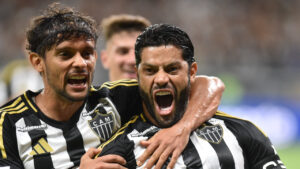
(17, 77)
(55, 126)
(120, 33)
(166, 68)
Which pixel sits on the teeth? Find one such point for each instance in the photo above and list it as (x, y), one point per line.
(77, 77)
(163, 93)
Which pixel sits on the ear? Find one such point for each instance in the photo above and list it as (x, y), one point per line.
(36, 61)
(193, 71)
(104, 59)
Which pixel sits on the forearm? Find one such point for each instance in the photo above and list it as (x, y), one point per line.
(205, 97)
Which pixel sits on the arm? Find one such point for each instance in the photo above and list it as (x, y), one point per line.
(9, 156)
(259, 151)
(205, 98)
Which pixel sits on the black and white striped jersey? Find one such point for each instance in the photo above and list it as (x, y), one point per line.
(29, 139)
(222, 142)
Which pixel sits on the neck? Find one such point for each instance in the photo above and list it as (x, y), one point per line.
(148, 116)
(57, 108)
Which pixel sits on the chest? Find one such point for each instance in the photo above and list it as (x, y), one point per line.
(45, 145)
(209, 147)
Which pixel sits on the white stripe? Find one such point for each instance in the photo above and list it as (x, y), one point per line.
(139, 150)
(232, 144)
(180, 163)
(24, 145)
(208, 155)
(57, 142)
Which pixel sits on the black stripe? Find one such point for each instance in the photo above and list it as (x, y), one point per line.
(42, 147)
(191, 157)
(224, 154)
(40, 160)
(75, 145)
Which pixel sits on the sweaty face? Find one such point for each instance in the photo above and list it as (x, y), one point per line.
(68, 69)
(119, 57)
(164, 82)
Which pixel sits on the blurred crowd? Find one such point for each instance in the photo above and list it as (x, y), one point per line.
(253, 46)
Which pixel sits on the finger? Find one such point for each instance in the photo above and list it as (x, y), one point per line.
(163, 158)
(147, 153)
(145, 143)
(173, 161)
(154, 157)
(112, 159)
(91, 153)
(109, 165)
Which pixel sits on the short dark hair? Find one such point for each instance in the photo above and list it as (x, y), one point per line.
(123, 22)
(165, 34)
(57, 24)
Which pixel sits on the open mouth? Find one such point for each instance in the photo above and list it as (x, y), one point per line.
(78, 80)
(164, 101)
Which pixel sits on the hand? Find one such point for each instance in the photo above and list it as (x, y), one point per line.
(87, 161)
(167, 142)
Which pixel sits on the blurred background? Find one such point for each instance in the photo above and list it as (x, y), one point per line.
(253, 46)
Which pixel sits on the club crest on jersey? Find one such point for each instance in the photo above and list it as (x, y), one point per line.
(103, 125)
(213, 134)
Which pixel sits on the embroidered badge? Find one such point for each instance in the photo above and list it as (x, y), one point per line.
(103, 125)
(105, 119)
(213, 134)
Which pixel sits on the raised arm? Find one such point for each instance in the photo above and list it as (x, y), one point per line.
(206, 93)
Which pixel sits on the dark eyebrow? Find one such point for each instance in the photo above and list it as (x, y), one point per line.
(148, 64)
(173, 64)
(176, 63)
(67, 48)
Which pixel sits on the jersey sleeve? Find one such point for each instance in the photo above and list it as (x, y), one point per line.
(121, 146)
(258, 149)
(125, 95)
(9, 156)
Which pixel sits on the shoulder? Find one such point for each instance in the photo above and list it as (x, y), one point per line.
(246, 132)
(236, 122)
(113, 88)
(120, 83)
(17, 108)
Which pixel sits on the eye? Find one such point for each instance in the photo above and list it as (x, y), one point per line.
(87, 54)
(65, 54)
(172, 69)
(149, 70)
(123, 51)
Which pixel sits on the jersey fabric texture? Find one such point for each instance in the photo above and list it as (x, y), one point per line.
(222, 142)
(29, 139)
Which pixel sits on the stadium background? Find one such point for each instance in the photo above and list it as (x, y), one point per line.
(253, 46)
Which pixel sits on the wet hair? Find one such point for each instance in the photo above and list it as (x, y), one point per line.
(56, 25)
(164, 34)
(123, 22)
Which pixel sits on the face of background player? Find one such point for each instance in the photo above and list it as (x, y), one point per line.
(119, 56)
(67, 69)
(164, 82)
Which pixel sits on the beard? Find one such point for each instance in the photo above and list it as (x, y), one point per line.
(181, 102)
(62, 91)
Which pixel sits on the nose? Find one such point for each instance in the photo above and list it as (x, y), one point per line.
(131, 57)
(161, 79)
(79, 61)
